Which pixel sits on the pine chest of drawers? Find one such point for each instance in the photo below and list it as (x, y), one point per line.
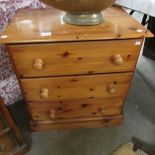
(74, 76)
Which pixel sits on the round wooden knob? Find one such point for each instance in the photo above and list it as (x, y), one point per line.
(117, 59)
(52, 114)
(44, 93)
(111, 89)
(38, 64)
(103, 111)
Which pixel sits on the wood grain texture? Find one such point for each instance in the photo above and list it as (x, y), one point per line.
(76, 123)
(75, 58)
(41, 111)
(74, 76)
(76, 96)
(46, 25)
(76, 87)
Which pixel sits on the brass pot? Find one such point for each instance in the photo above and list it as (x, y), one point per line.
(81, 12)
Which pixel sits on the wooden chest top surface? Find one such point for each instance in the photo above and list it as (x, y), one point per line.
(46, 25)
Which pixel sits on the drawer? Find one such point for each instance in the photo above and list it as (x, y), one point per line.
(8, 143)
(75, 58)
(71, 88)
(42, 111)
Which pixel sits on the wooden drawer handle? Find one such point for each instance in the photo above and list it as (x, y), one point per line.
(117, 59)
(111, 89)
(52, 114)
(38, 64)
(103, 111)
(44, 93)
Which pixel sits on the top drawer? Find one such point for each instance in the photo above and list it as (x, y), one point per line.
(75, 58)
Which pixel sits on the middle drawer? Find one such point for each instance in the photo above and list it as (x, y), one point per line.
(76, 87)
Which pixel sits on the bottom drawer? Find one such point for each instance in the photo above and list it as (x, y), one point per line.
(43, 111)
(76, 123)
(7, 144)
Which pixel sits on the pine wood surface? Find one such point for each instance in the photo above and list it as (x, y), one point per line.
(46, 25)
(76, 123)
(74, 76)
(76, 87)
(76, 96)
(75, 58)
(43, 111)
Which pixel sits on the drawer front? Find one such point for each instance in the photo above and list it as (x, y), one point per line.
(76, 87)
(7, 144)
(75, 58)
(42, 111)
